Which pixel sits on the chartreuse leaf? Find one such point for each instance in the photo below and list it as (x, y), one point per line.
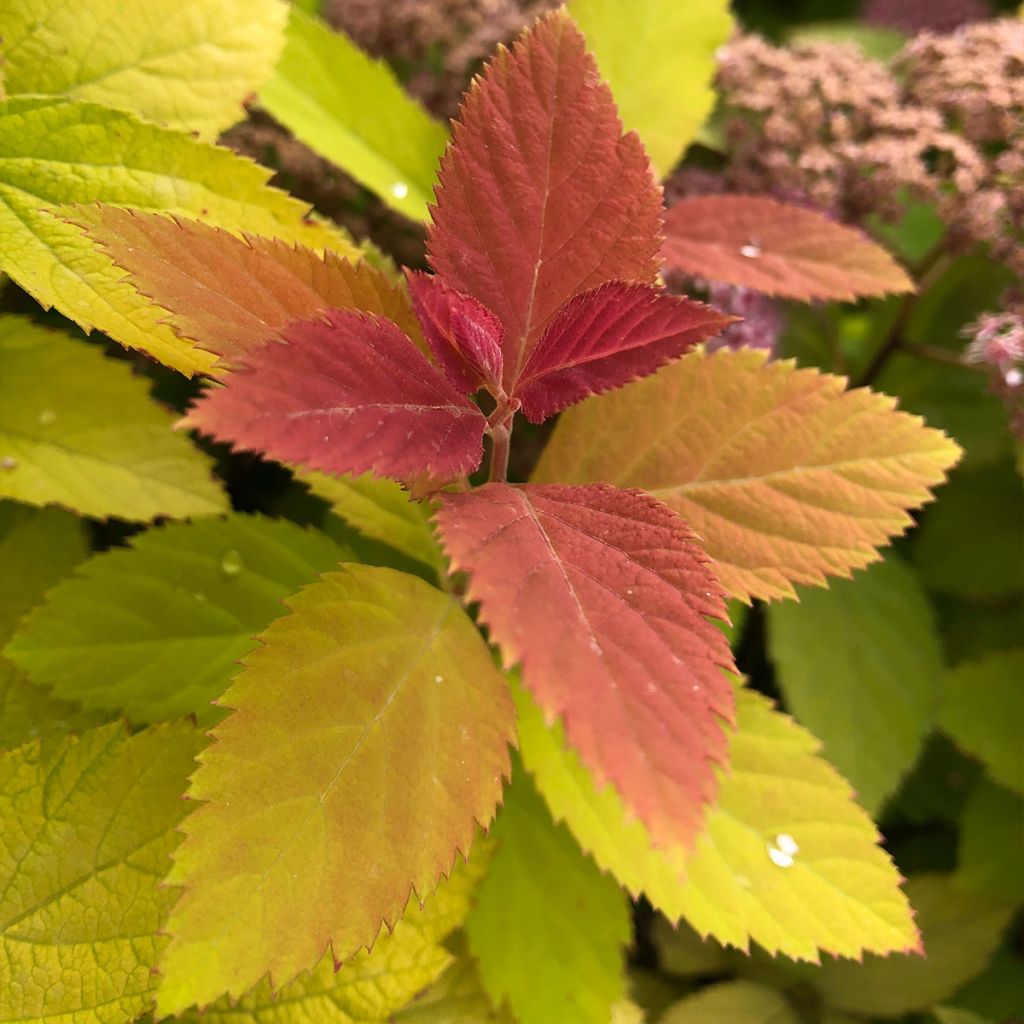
(675, 44)
(738, 1002)
(787, 859)
(77, 429)
(188, 65)
(37, 548)
(990, 858)
(785, 475)
(982, 711)
(860, 666)
(382, 510)
(548, 929)
(54, 152)
(369, 738)
(88, 828)
(155, 630)
(375, 983)
(960, 932)
(351, 109)
(458, 997)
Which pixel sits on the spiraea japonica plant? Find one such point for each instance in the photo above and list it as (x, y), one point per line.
(427, 779)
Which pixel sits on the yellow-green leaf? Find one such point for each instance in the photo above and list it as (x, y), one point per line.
(55, 152)
(548, 929)
(186, 63)
(733, 1002)
(990, 857)
(785, 475)
(787, 860)
(78, 429)
(457, 997)
(351, 109)
(960, 932)
(88, 828)
(155, 630)
(983, 712)
(370, 735)
(659, 58)
(382, 510)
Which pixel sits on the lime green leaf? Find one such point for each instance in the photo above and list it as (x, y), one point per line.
(457, 998)
(737, 1002)
(155, 630)
(370, 735)
(372, 985)
(382, 510)
(983, 712)
(77, 429)
(674, 43)
(989, 503)
(55, 152)
(960, 932)
(87, 830)
(548, 929)
(991, 854)
(788, 860)
(188, 65)
(860, 665)
(683, 952)
(351, 109)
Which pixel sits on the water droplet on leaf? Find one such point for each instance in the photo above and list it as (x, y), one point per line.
(8, 462)
(782, 852)
(46, 417)
(399, 190)
(751, 250)
(231, 564)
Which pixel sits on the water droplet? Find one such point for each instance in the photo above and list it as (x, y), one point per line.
(46, 417)
(232, 564)
(8, 462)
(629, 590)
(1013, 377)
(778, 858)
(327, 438)
(751, 250)
(783, 850)
(787, 844)
(438, 679)
(399, 190)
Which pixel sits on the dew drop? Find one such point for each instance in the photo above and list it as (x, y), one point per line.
(399, 190)
(46, 417)
(1014, 378)
(438, 679)
(787, 844)
(327, 438)
(231, 564)
(782, 852)
(751, 250)
(778, 858)
(8, 462)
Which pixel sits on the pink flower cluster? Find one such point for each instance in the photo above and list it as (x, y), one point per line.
(997, 342)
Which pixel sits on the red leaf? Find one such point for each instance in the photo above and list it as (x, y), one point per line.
(463, 334)
(607, 337)
(349, 393)
(540, 195)
(602, 594)
(779, 249)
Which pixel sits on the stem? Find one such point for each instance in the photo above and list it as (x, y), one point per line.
(501, 438)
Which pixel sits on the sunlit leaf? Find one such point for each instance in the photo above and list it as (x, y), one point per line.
(785, 476)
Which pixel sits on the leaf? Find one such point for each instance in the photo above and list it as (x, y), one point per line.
(347, 393)
(952, 1015)
(991, 856)
(776, 248)
(188, 65)
(738, 1002)
(457, 998)
(54, 152)
(860, 664)
(540, 196)
(231, 295)
(602, 595)
(77, 429)
(841, 892)
(381, 510)
(548, 929)
(784, 475)
(989, 503)
(369, 738)
(607, 337)
(983, 712)
(88, 831)
(675, 45)
(372, 985)
(155, 630)
(464, 336)
(351, 109)
(960, 934)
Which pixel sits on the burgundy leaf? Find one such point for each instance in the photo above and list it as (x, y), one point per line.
(540, 195)
(607, 337)
(348, 393)
(601, 594)
(464, 335)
